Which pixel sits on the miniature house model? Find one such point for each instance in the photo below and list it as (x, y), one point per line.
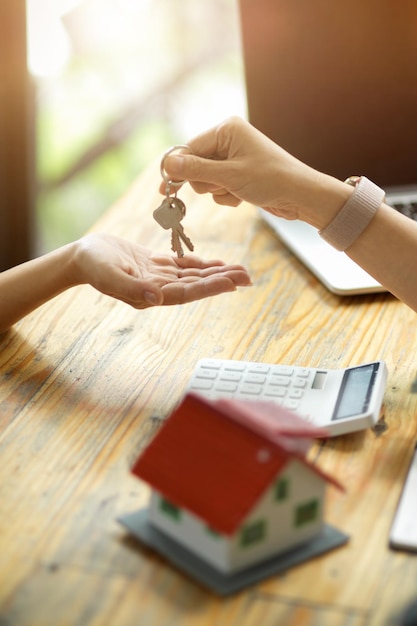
(231, 481)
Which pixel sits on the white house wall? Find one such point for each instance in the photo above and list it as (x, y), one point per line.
(281, 533)
(226, 553)
(192, 533)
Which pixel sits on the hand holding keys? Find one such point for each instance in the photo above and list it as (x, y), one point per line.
(172, 211)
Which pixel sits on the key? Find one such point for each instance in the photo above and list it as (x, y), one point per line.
(172, 209)
(176, 246)
(165, 214)
(179, 230)
(169, 216)
(178, 207)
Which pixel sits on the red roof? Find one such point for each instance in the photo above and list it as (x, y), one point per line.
(216, 458)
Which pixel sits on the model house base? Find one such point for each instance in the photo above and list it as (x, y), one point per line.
(234, 496)
(138, 524)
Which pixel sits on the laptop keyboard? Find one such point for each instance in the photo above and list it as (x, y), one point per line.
(409, 209)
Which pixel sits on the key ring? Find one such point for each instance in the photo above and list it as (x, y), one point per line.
(172, 183)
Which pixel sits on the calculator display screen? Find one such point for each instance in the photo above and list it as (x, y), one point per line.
(355, 392)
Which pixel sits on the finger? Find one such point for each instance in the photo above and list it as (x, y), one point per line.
(190, 263)
(227, 199)
(220, 194)
(194, 261)
(161, 263)
(146, 291)
(129, 289)
(207, 188)
(182, 292)
(193, 168)
(163, 187)
(238, 275)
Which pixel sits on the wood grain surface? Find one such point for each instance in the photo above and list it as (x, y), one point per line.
(84, 383)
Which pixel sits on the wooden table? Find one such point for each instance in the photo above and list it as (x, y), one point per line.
(84, 382)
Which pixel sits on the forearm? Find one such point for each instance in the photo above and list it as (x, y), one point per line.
(233, 161)
(27, 286)
(386, 249)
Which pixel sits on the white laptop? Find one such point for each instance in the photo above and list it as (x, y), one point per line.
(347, 105)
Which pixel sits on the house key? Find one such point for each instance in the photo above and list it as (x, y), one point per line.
(169, 216)
(172, 210)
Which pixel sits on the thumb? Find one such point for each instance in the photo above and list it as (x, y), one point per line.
(128, 288)
(196, 169)
(144, 290)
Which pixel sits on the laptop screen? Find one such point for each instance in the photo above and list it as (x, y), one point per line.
(335, 83)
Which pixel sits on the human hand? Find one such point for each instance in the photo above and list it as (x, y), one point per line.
(234, 161)
(133, 274)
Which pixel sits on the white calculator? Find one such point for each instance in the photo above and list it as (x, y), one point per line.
(339, 400)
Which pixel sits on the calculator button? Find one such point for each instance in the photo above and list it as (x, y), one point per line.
(208, 374)
(226, 387)
(259, 368)
(231, 376)
(296, 393)
(291, 404)
(299, 382)
(283, 370)
(281, 381)
(253, 390)
(277, 392)
(255, 378)
(214, 365)
(202, 384)
(235, 367)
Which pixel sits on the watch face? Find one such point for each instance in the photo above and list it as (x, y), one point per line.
(353, 180)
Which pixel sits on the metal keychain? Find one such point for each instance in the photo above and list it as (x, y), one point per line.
(172, 183)
(172, 209)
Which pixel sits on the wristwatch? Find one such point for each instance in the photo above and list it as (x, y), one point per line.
(355, 214)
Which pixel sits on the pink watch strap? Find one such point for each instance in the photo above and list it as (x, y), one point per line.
(355, 214)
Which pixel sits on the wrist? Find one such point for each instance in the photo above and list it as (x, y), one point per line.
(326, 197)
(69, 266)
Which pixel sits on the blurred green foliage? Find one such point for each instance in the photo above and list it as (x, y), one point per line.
(142, 76)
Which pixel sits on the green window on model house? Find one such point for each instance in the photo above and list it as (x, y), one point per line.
(253, 533)
(307, 512)
(282, 489)
(213, 533)
(171, 510)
